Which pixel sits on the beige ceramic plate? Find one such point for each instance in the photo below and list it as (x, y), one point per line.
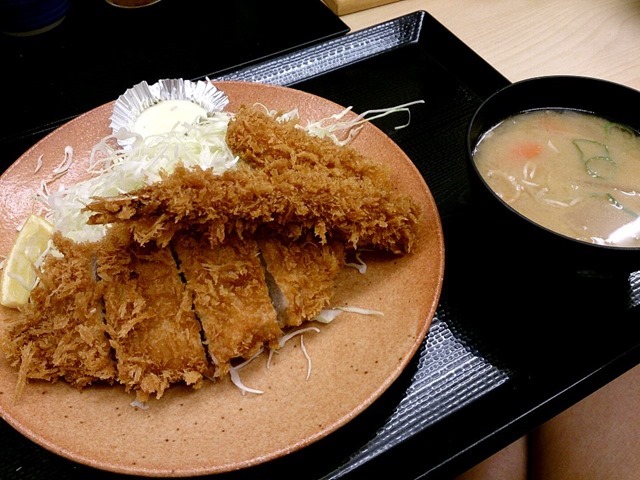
(217, 429)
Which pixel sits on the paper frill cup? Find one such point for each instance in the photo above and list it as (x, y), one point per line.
(140, 97)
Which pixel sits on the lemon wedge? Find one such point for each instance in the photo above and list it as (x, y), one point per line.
(19, 275)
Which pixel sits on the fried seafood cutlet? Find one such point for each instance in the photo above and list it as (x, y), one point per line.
(292, 204)
(154, 332)
(301, 277)
(60, 333)
(276, 146)
(229, 296)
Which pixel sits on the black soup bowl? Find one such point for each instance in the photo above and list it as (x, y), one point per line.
(597, 182)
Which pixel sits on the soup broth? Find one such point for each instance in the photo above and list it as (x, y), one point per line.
(569, 171)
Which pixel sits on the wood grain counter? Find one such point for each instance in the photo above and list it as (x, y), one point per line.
(526, 38)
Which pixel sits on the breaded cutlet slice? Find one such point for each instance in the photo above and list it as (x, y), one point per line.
(230, 297)
(154, 332)
(301, 276)
(60, 333)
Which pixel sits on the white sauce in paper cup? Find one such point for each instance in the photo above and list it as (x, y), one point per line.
(156, 109)
(166, 116)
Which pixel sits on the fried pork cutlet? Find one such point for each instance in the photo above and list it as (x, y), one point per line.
(301, 277)
(289, 182)
(230, 297)
(60, 333)
(153, 329)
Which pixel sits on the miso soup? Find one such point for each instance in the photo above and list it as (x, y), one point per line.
(570, 171)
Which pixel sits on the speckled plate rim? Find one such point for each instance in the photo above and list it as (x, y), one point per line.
(217, 429)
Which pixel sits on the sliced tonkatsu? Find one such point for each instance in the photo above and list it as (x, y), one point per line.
(153, 329)
(230, 297)
(301, 276)
(60, 333)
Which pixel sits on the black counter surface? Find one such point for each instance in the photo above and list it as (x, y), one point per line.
(99, 51)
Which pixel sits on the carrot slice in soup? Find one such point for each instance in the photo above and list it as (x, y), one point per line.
(526, 150)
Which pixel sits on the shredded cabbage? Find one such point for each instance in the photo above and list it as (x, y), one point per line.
(116, 171)
(294, 333)
(283, 117)
(359, 264)
(327, 315)
(331, 126)
(285, 338)
(139, 404)
(38, 164)
(235, 378)
(306, 356)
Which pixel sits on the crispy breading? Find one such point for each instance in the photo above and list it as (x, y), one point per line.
(277, 147)
(289, 183)
(204, 266)
(60, 333)
(351, 210)
(153, 329)
(230, 297)
(301, 276)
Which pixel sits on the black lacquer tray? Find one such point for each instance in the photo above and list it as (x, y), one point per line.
(519, 334)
